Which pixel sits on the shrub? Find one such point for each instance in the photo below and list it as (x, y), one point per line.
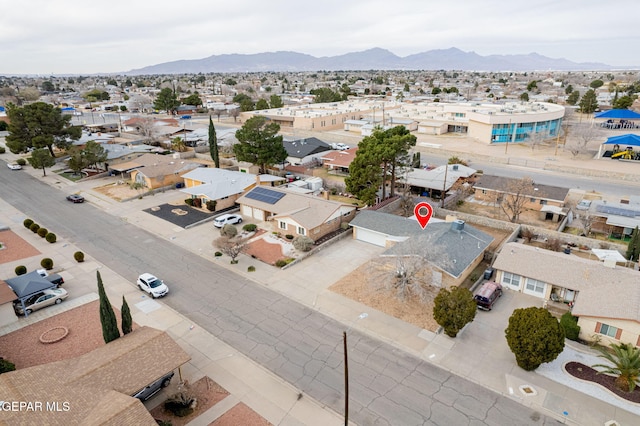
(526, 234)
(289, 237)
(6, 366)
(189, 202)
(280, 263)
(181, 404)
(2, 148)
(21, 161)
(251, 269)
(78, 256)
(570, 325)
(218, 254)
(42, 232)
(302, 243)
(250, 227)
(211, 205)
(229, 230)
(34, 227)
(27, 223)
(46, 263)
(20, 270)
(51, 237)
(344, 226)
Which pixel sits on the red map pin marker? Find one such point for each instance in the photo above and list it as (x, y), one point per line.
(423, 212)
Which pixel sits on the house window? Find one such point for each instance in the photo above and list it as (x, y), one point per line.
(511, 279)
(301, 231)
(543, 202)
(282, 225)
(535, 285)
(484, 191)
(608, 330)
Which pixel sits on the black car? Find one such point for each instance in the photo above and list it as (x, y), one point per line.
(150, 390)
(55, 279)
(75, 198)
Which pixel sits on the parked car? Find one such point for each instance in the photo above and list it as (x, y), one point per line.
(148, 391)
(14, 166)
(75, 198)
(152, 285)
(40, 300)
(487, 295)
(340, 146)
(55, 279)
(221, 221)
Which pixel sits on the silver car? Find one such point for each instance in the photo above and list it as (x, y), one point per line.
(41, 300)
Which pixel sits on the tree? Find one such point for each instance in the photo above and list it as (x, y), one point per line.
(213, 144)
(232, 247)
(178, 144)
(39, 125)
(94, 154)
(532, 85)
(633, 249)
(148, 129)
(514, 195)
(589, 102)
(573, 97)
(625, 360)
(76, 160)
(41, 159)
(624, 102)
(596, 84)
(453, 309)
(218, 112)
(584, 134)
(245, 102)
(127, 321)
(534, 336)
(524, 97)
(275, 101)
(234, 112)
(107, 315)
(259, 143)
(167, 100)
(262, 104)
(365, 174)
(193, 99)
(325, 95)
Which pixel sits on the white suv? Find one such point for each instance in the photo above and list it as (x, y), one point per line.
(221, 221)
(152, 285)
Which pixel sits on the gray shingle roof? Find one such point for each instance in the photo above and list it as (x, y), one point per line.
(300, 148)
(499, 183)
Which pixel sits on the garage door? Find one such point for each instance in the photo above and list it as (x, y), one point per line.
(370, 237)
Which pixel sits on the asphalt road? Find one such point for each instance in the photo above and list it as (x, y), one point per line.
(302, 346)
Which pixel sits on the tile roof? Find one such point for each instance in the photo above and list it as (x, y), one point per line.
(340, 158)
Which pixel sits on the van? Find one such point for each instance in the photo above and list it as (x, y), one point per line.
(487, 295)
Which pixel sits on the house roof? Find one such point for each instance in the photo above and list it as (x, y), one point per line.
(340, 158)
(308, 211)
(218, 183)
(301, 148)
(501, 184)
(6, 293)
(28, 284)
(435, 178)
(604, 291)
(443, 246)
(97, 384)
(153, 165)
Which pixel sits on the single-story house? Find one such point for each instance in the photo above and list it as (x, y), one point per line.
(222, 186)
(605, 297)
(302, 151)
(549, 200)
(454, 249)
(294, 213)
(7, 296)
(156, 171)
(617, 219)
(433, 182)
(339, 161)
(94, 388)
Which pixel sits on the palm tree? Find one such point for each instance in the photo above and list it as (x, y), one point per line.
(626, 365)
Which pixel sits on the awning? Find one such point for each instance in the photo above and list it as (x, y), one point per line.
(609, 255)
(619, 113)
(622, 221)
(125, 167)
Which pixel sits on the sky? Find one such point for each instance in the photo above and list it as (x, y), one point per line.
(47, 37)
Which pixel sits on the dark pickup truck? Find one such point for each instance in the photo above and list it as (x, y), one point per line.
(55, 279)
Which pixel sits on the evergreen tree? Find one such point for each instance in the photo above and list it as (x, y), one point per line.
(633, 249)
(213, 144)
(589, 102)
(107, 315)
(127, 321)
(453, 309)
(260, 143)
(41, 159)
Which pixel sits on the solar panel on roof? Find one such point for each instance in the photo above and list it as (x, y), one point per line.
(265, 195)
(617, 211)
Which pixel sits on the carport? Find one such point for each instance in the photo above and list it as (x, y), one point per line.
(25, 286)
(618, 143)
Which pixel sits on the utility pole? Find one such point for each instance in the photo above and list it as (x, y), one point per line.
(444, 186)
(346, 379)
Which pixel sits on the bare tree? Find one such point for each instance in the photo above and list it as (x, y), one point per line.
(139, 102)
(218, 112)
(585, 134)
(232, 247)
(147, 128)
(515, 194)
(235, 112)
(536, 139)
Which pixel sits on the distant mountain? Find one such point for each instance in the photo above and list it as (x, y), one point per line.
(372, 59)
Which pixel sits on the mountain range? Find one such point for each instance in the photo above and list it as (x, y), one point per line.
(372, 59)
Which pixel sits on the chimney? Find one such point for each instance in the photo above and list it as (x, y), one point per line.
(257, 180)
(325, 195)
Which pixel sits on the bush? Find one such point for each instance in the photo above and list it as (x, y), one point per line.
(2, 148)
(211, 205)
(43, 232)
(78, 256)
(344, 226)
(280, 263)
(181, 404)
(27, 223)
(250, 227)
(189, 202)
(218, 254)
(302, 243)
(229, 230)
(570, 325)
(47, 263)
(21, 161)
(289, 237)
(34, 227)
(251, 269)
(6, 366)
(20, 270)
(51, 237)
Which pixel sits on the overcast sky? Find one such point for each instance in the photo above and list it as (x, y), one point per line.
(86, 37)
